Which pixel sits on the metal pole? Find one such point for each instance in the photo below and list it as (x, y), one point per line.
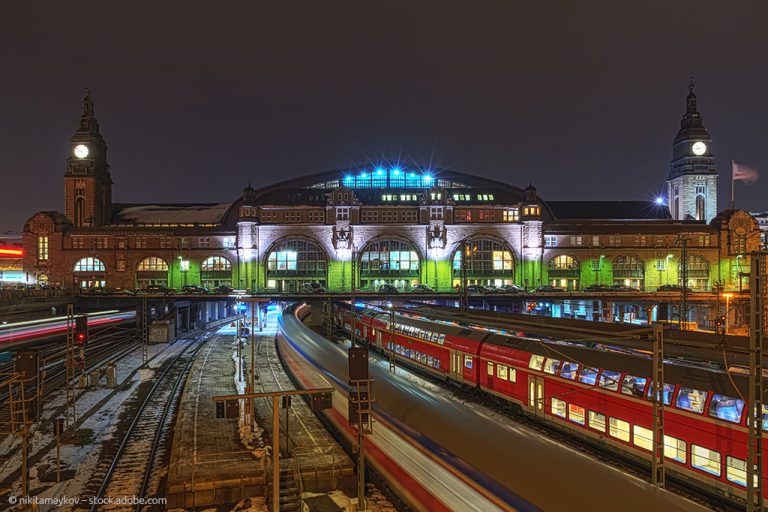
(683, 280)
(275, 454)
(361, 505)
(391, 351)
(352, 286)
(58, 455)
(658, 470)
(757, 291)
(25, 459)
(287, 431)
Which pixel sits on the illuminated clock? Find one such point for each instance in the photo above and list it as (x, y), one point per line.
(81, 151)
(699, 148)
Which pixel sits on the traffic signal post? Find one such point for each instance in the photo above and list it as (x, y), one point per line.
(321, 398)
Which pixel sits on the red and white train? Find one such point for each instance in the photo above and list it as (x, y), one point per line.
(600, 394)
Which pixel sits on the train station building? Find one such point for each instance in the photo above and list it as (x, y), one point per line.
(396, 224)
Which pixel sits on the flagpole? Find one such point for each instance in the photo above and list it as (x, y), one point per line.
(733, 186)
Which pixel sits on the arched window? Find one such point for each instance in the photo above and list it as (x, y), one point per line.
(629, 270)
(293, 263)
(80, 211)
(698, 272)
(389, 262)
(152, 264)
(487, 262)
(564, 272)
(216, 264)
(90, 265)
(700, 210)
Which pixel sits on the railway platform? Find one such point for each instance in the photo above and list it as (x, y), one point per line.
(208, 464)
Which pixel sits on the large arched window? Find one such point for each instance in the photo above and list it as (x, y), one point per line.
(698, 273)
(563, 272)
(629, 270)
(90, 272)
(90, 265)
(292, 263)
(487, 261)
(215, 271)
(152, 264)
(216, 264)
(701, 213)
(151, 271)
(389, 262)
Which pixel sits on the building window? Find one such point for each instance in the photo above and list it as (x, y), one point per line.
(228, 242)
(316, 216)
(166, 243)
(216, 263)
(102, 242)
(370, 216)
(550, 241)
(462, 197)
(389, 216)
(511, 215)
(639, 240)
(659, 241)
(140, 243)
(77, 242)
(704, 240)
(269, 216)
(575, 240)
(595, 264)
(485, 258)
(435, 213)
(435, 196)
(661, 264)
(487, 216)
(293, 216)
(204, 242)
(463, 215)
(90, 265)
(614, 240)
(388, 257)
(342, 213)
(152, 264)
(42, 247)
(595, 241)
(410, 216)
(531, 210)
(485, 197)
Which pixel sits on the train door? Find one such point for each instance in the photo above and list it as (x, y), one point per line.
(536, 395)
(457, 366)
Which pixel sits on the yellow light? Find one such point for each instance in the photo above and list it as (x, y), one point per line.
(727, 295)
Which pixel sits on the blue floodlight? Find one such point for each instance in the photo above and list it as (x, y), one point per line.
(659, 200)
(396, 171)
(363, 175)
(379, 172)
(427, 178)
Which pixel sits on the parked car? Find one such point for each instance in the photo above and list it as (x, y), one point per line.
(158, 289)
(106, 291)
(474, 289)
(193, 289)
(597, 288)
(490, 288)
(223, 289)
(422, 288)
(313, 287)
(388, 288)
(511, 288)
(548, 288)
(672, 288)
(623, 288)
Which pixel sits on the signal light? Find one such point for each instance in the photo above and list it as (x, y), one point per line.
(81, 330)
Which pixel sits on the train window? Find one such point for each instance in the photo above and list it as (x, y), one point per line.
(726, 408)
(691, 399)
(609, 380)
(588, 375)
(736, 471)
(669, 390)
(437, 364)
(551, 366)
(569, 370)
(643, 437)
(674, 449)
(512, 375)
(558, 407)
(618, 428)
(501, 371)
(632, 385)
(576, 414)
(705, 459)
(765, 417)
(490, 368)
(536, 362)
(442, 339)
(467, 361)
(597, 421)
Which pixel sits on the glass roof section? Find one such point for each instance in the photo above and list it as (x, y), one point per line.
(394, 177)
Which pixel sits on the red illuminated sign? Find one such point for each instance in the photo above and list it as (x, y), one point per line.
(11, 252)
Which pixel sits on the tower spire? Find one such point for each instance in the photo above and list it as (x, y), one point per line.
(87, 103)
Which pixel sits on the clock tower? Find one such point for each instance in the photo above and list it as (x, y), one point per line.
(87, 182)
(692, 180)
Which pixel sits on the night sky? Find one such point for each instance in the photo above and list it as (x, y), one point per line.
(197, 99)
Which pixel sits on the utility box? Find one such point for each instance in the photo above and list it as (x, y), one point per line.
(111, 372)
(162, 331)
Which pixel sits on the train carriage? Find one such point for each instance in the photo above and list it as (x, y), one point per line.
(603, 395)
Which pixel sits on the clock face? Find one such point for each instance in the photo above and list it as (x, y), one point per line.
(699, 148)
(81, 151)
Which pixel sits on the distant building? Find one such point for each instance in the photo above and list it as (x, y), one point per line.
(11, 263)
(403, 225)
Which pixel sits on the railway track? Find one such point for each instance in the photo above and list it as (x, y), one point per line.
(132, 470)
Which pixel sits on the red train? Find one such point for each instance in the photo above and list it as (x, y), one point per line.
(600, 394)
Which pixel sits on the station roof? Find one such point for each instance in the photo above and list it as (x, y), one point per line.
(613, 210)
(171, 214)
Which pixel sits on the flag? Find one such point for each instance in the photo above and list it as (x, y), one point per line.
(745, 173)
